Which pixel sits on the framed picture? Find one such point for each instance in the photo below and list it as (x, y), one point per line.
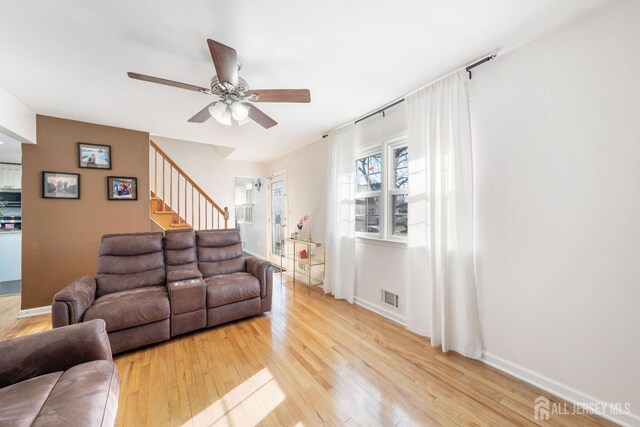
(122, 188)
(60, 185)
(94, 156)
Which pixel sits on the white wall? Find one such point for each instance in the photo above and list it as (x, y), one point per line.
(10, 256)
(306, 187)
(212, 172)
(379, 265)
(254, 234)
(16, 119)
(557, 171)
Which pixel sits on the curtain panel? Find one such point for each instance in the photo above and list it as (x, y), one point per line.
(341, 203)
(441, 299)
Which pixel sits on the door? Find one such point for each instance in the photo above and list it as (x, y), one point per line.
(278, 216)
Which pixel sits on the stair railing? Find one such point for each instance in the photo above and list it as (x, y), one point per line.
(182, 196)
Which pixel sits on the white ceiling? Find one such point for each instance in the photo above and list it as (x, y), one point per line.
(69, 58)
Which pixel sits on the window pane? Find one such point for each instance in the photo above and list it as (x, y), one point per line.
(369, 173)
(401, 167)
(400, 210)
(368, 214)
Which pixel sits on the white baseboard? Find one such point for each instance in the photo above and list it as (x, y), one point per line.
(547, 384)
(29, 312)
(396, 317)
(554, 387)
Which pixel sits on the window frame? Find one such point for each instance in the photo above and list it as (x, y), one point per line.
(387, 191)
(392, 191)
(372, 151)
(244, 204)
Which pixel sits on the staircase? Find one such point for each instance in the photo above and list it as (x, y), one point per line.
(178, 202)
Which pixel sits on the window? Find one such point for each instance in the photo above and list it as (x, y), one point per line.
(369, 171)
(368, 214)
(399, 191)
(369, 186)
(382, 191)
(244, 204)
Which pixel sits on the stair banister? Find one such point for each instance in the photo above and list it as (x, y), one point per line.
(167, 207)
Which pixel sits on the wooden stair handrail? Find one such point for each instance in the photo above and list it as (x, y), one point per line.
(224, 211)
(165, 156)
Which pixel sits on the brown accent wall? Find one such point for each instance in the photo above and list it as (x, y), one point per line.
(60, 238)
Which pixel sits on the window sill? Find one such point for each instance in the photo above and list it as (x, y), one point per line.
(395, 243)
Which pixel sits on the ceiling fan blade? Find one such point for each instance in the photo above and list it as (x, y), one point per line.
(168, 82)
(202, 115)
(281, 95)
(225, 60)
(259, 117)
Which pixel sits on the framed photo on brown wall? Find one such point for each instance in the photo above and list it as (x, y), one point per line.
(94, 156)
(122, 188)
(60, 185)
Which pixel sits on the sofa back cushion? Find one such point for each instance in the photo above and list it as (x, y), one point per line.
(219, 252)
(180, 250)
(129, 261)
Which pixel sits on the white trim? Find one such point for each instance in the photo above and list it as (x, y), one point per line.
(554, 387)
(156, 223)
(547, 384)
(29, 312)
(256, 255)
(396, 317)
(278, 175)
(393, 243)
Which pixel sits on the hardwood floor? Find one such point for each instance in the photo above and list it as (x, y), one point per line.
(311, 360)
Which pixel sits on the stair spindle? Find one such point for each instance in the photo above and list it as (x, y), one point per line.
(178, 210)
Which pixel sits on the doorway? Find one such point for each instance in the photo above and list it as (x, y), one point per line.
(277, 215)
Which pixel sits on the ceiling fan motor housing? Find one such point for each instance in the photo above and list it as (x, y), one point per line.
(225, 90)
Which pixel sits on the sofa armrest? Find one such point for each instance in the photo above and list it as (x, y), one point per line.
(180, 275)
(53, 351)
(71, 302)
(263, 270)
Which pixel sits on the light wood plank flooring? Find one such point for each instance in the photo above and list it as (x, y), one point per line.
(311, 360)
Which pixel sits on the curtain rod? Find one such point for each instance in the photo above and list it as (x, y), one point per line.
(381, 110)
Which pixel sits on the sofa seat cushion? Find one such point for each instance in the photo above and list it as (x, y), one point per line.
(134, 307)
(229, 288)
(85, 395)
(21, 402)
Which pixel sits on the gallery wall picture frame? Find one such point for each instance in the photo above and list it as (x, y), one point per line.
(60, 185)
(122, 188)
(94, 156)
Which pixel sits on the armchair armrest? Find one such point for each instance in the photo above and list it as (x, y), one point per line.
(53, 351)
(71, 302)
(263, 270)
(180, 275)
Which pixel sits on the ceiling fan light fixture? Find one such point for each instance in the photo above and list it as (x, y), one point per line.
(226, 118)
(217, 110)
(239, 111)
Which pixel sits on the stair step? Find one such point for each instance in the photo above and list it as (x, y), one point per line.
(163, 212)
(176, 225)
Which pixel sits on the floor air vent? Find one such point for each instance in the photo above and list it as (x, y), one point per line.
(389, 298)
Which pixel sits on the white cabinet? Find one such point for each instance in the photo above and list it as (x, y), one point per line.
(10, 176)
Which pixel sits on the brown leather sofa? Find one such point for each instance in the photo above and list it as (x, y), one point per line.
(153, 286)
(62, 377)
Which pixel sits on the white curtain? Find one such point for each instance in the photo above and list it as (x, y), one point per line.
(341, 201)
(441, 300)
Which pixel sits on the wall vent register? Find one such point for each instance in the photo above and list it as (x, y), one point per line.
(389, 298)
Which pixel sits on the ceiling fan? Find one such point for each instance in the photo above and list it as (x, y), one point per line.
(234, 96)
